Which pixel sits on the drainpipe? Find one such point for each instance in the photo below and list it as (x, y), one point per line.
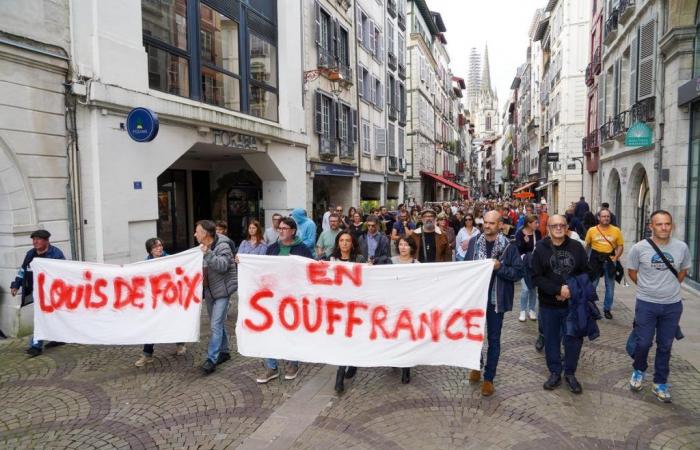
(661, 70)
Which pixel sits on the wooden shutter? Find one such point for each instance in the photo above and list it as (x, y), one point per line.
(334, 51)
(380, 45)
(616, 88)
(380, 141)
(372, 36)
(358, 26)
(380, 92)
(319, 113)
(360, 81)
(647, 54)
(317, 11)
(601, 101)
(355, 131)
(332, 121)
(634, 62)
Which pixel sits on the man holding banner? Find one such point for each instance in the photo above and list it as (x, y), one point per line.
(507, 270)
(219, 284)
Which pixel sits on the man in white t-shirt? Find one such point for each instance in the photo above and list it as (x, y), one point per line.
(659, 307)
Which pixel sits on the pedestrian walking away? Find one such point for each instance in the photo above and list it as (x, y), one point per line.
(658, 266)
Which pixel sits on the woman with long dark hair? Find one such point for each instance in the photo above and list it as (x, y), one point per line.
(254, 243)
(346, 249)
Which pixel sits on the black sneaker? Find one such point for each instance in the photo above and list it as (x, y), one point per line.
(223, 357)
(352, 370)
(52, 344)
(553, 381)
(405, 375)
(208, 367)
(33, 351)
(607, 314)
(574, 385)
(539, 343)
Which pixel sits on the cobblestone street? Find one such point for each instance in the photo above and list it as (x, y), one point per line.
(94, 397)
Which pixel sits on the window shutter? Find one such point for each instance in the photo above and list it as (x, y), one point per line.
(338, 120)
(380, 45)
(380, 92)
(317, 10)
(601, 101)
(319, 113)
(358, 26)
(360, 81)
(335, 36)
(380, 141)
(634, 62)
(647, 53)
(333, 125)
(355, 130)
(372, 90)
(372, 36)
(616, 88)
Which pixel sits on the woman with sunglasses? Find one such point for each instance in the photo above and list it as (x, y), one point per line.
(468, 231)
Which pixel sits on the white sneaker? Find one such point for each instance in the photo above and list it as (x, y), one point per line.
(523, 316)
(533, 315)
(181, 349)
(143, 360)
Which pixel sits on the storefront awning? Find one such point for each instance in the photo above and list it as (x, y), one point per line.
(446, 182)
(544, 186)
(525, 186)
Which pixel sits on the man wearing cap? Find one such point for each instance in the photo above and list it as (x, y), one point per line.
(431, 242)
(25, 280)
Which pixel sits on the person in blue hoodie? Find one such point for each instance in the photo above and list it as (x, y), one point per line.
(507, 270)
(306, 229)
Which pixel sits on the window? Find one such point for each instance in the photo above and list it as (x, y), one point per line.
(379, 141)
(325, 123)
(378, 94)
(324, 36)
(401, 141)
(391, 140)
(210, 68)
(390, 38)
(366, 138)
(488, 123)
(401, 50)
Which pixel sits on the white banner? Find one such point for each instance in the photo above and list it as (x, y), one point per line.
(294, 308)
(148, 302)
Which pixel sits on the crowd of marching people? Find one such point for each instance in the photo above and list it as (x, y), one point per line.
(558, 261)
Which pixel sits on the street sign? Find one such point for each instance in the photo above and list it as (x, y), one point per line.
(552, 157)
(639, 135)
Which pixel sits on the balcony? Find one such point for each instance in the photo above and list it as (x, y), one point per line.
(626, 9)
(325, 58)
(346, 72)
(391, 7)
(393, 163)
(643, 111)
(590, 142)
(391, 60)
(401, 21)
(610, 28)
(402, 71)
(614, 128)
(402, 165)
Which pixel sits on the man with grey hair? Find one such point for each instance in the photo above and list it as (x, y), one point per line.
(507, 270)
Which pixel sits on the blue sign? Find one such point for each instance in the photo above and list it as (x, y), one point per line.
(639, 135)
(138, 185)
(335, 170)
(142, 124)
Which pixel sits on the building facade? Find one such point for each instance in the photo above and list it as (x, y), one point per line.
(37, 150)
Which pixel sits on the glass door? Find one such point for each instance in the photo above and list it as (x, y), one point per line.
(172, 210)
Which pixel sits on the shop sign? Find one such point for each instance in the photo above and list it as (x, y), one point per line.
(639, 135)
(552, 157)
(689, 92)
(142, 124)
(234, 140)
(335, 170)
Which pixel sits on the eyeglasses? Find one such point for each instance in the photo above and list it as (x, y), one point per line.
(283, 228)
(557, 226)
(371, 224)
(469, 219)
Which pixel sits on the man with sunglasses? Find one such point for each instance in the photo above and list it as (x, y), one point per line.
(554, 260)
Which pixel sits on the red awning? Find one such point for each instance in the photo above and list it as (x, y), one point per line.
(462, 189)
(525, 186)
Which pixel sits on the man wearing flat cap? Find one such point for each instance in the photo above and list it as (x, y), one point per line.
(41, 248)
(431, 242)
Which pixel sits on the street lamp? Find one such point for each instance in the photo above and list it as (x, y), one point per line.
(579, 159)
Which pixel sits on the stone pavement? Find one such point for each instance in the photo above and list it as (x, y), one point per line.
(91, 397)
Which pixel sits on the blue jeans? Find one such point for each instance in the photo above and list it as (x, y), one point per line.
(494, 324)
(218, 342)
(271, 363)
(35, 344)
(553, 322)
(609, 287)
(662, 319)
(528, 297)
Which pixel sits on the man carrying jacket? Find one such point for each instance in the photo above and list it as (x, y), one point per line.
(41, 248)
(555, 259)
(507, 269)
(287, 244)
(220, 282)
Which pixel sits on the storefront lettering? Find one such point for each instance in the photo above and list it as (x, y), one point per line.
(235, 140)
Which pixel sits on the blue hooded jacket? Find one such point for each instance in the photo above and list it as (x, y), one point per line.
(306, 229)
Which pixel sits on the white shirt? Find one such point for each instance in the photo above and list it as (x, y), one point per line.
(325, 223)
(462, 236)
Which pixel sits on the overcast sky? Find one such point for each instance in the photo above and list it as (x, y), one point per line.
(503, 24)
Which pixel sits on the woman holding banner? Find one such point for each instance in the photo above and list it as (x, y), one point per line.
(346, 249)
(154, 249)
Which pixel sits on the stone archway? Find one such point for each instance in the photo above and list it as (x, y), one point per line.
(639, 195)
(614, 195)
(17, 219)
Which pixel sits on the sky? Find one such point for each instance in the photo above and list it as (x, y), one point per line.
(503, 24)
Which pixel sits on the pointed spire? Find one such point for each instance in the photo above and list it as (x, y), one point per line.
(486, 71)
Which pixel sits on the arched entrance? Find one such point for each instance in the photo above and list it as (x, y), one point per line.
(615, 195)
(640, 194)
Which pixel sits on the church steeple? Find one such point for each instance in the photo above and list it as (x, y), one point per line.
(486, 73)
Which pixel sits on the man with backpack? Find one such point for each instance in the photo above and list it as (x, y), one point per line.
(658, 266)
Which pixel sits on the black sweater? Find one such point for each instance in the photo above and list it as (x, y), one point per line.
(552, 265)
